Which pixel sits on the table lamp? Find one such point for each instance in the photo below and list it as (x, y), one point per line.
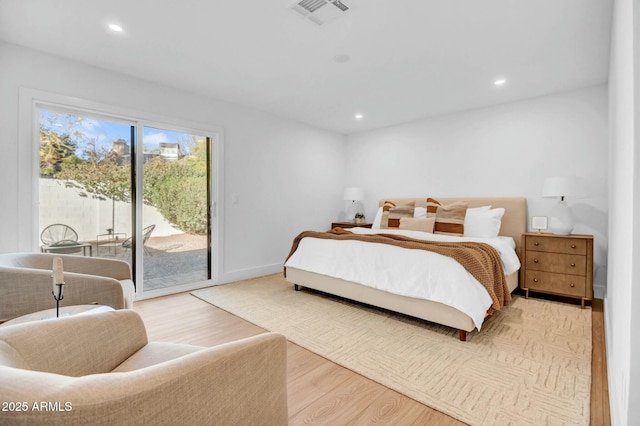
(560, 218)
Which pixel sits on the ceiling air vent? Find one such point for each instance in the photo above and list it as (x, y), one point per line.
(320, 11)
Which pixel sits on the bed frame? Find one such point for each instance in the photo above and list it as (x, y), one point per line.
(514, 224)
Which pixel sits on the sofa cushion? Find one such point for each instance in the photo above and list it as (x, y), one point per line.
(10, 357)
(155, 353)
(113, 336)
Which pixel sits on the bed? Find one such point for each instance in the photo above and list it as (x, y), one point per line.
(513, 224)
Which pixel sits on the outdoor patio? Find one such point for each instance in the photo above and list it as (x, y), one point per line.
(169, 261)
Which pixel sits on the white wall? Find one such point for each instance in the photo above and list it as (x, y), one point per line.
(623, 292)
(284, 175)
(505, 150)
(91, 217)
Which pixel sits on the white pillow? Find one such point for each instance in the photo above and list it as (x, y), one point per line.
(483, 223)
(478, 209)
(377, 219)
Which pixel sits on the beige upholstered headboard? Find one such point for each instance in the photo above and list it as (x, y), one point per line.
(514, 221)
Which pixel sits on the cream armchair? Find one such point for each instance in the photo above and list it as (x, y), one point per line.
(100, 369)
(25, 283)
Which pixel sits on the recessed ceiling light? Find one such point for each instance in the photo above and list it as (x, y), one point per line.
(499, 82)
(359, 116)
(115, 28)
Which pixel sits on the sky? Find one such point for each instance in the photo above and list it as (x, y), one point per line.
(105, 132)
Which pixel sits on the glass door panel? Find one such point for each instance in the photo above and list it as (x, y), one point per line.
(176, 223)
(85, 184)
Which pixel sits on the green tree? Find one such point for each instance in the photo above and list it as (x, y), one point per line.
(55, 150)
(103, 174)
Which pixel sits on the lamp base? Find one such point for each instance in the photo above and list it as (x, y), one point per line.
(560, 219)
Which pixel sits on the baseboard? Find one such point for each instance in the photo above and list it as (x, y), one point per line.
(245, 274)
(599, 291)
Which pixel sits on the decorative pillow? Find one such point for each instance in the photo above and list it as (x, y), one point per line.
(418, 224)
(391, 214)
(484, 224)
(449, 218)
(433, 204)
(432, 207)
(418, 212)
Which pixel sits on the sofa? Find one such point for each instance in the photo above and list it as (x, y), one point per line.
(26, 283)
(100, 369)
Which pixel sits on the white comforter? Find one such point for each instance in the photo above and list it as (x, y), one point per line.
(414, 273)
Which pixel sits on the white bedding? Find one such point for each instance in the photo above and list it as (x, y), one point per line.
(413, 273)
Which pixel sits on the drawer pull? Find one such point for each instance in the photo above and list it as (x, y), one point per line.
(536, 244)
(573, 246)
(572, 285)
(573, 265)
(535, 260)
(535, 280)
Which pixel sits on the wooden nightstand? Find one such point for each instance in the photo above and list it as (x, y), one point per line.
(558, 264)
(347, 225)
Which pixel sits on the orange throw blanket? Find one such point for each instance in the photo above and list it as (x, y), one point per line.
(481, 260)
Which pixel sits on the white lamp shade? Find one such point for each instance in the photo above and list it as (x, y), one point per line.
(563, 186)
(353, 194)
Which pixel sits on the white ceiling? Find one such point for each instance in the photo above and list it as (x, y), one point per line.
(409, 58)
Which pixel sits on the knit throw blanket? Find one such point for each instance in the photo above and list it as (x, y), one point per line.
(481, 260)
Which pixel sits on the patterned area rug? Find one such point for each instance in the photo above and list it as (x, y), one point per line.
(530, 364)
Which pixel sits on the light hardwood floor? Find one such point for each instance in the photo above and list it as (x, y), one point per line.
(320, 391)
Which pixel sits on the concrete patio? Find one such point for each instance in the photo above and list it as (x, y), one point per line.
(169, 261)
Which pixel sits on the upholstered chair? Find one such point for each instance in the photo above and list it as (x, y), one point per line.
(26, 283)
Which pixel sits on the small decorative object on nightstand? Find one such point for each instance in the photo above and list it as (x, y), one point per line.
(558, 264)
(347, 225)
(353, 194)
(539, 223)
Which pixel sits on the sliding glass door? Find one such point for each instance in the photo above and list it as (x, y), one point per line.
(125, 190)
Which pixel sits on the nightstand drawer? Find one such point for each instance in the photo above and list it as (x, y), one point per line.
(558, 263)
(567, 285)
(557, 245)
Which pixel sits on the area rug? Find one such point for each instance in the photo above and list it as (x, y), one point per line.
(530, 364)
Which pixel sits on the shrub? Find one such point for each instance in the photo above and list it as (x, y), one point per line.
(178, 189)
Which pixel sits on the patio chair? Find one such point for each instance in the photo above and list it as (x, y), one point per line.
(63, 239)
(146, 233)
